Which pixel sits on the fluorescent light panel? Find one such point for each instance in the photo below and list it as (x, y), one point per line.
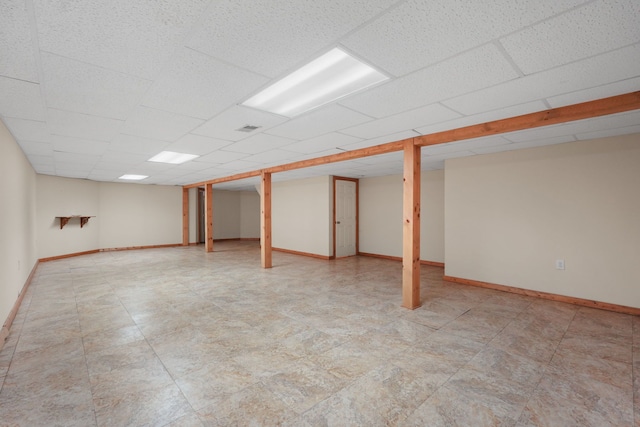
(172, 157)
(131, 177)
(330, 77)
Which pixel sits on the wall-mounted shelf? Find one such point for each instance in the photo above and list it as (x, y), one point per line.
(65, 219)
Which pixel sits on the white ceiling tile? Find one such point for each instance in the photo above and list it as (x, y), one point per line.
(432, 166)
(150, 168)
(21, 99)
(134, 37)
(196, 85)
(197, 144)
(323, 120)
(402, 122)
(41, 159)
(603, 69)
(381, 140)
(586, 31)
(137, 145)
(259, 143)
(66, 163)
(503, 113)
(419, 33)
(322, 142)
(67, 123)
(522, 145)
(609, 132)
(71, 173)
(477, 69)
(76, 86)
(49, 169)
(271, 156)
(78, 145)
(469, 145)
(16, 42)
(444, 156)
(220, 156)
(598, 92)
(581, 126)
(37, 148)
(112, 158)
(226, 124)
(28, 130)
(382, 158)
(156, 124)
(240, 166)
(275, 37)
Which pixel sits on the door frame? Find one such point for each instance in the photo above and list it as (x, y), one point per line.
(200, 215)
(357, 181)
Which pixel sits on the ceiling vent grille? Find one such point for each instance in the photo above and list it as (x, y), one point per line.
(248, 128)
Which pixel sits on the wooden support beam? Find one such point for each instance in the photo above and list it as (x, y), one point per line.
(570, 113)
(265, 220)
(411, 227)
(208, 202)
(585, 110)
(185, 216)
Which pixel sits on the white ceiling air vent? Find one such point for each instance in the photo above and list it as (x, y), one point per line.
(248, 128)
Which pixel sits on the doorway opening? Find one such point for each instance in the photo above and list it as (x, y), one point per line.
(345, 216)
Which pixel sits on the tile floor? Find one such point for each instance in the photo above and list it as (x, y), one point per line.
(179, 337)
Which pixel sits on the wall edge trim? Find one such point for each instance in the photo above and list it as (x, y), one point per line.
(6, 327)
(546, 295)
(307, 254)
(399, 258)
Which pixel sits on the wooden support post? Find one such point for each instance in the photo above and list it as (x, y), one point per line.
(208, 202)
(265, 220)
(411, 227)
(185, 216)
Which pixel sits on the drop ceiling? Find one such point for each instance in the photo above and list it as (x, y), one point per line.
(94, 89)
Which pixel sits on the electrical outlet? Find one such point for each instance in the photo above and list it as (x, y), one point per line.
(559, 264)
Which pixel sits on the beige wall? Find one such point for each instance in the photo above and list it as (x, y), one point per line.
(139, 215)
(17, 218)
(302, 215)
(57, 196)
(509, 216)
(381, 215)
(226, 214)
(126, 215)
(236, 214)
(249, 215)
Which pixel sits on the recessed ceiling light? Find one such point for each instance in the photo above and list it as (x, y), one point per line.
(133, 177)
(325, 79)
(172, 157)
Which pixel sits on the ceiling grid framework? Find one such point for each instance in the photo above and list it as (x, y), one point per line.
(94, 89)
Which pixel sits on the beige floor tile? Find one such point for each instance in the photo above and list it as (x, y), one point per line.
(447, 408)
(252, 406)
(156, 406)
(148, 337)
(214, 383)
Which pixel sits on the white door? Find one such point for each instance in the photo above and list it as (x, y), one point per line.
(345, 218)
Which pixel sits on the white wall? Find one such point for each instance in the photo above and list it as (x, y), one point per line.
(249, 215)
(381, 215)
(139, 215)
(17, 218)
(510, 215)
(301, 213)
(64, 197)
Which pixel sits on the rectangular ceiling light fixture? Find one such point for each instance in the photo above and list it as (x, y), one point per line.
(172, 157)
(131, 177)
(332, 76)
